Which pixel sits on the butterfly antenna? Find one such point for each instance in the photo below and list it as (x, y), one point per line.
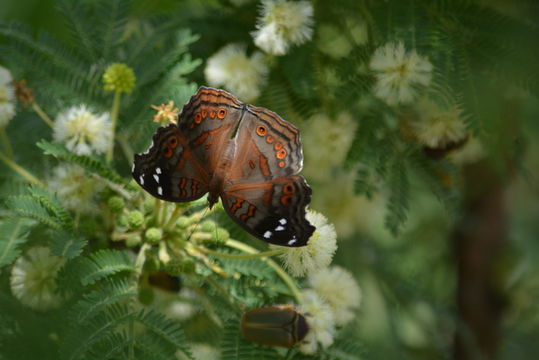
(198, 223)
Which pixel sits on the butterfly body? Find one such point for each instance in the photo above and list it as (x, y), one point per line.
(247, 156)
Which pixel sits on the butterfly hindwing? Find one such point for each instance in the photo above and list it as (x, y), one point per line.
(273, 210)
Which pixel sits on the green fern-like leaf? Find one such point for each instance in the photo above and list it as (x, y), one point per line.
(168, 331)
(51, 203)
(112, 292)
(29, 207)
(13, 234)
(114, 346)
(91, 164)
(102, 264)
(66, 244)
(81, 339)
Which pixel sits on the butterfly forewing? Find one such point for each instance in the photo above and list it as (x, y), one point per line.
(208, 121)
(156, 169)
(273, 210)
(268, 147)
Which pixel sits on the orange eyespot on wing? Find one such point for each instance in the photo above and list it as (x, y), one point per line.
(173, 142)
(289, 188)
(221, 113)
(261, 131)
(286, 200)
(198, 118)
(281, 154)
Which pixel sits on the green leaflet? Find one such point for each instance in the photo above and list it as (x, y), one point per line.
(13, 234)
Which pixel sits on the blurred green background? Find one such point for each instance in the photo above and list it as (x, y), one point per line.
(472, 271)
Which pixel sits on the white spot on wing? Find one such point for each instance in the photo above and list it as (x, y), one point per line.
(141, 179)
(156, 178)
(292, 242)
(282, 221)
(267, 234)
(279, 228)
(160, 190)
(158, 170)
(133, 168)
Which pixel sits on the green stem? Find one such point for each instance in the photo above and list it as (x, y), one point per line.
(176, 213)
(243, 256)
(19, 170)
(118, 188)
(141, 258)
(39, 111)
(5, 142)
(114, 119)
(280, 272)
(157, 211)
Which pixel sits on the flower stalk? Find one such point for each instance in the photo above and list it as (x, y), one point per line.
(19, 170)
(278, 270)
(114, 119)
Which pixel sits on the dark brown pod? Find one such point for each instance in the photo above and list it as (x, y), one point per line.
(276, 325)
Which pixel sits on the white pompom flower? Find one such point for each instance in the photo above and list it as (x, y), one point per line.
(232, 69)
(321, 323)
(326, 143)
(318, 252)
(438, 127)
(283, 23)
(7, 96)
(75, 188)
(33, 279)
(82, 131)
(338, 288)
(399, 74)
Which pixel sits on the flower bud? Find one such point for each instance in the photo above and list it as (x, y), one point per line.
(135, 219)
(153, 235)
(119, 77)
(116, 203)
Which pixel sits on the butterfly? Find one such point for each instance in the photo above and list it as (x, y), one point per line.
(248, 156)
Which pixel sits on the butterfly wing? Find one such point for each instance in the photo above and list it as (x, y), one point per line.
(272, 210)
(156, 170)
(262, 192)
(179, 164)
(267, 146)
(208, 121)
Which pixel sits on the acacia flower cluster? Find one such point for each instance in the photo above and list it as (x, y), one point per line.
(318, 252)
(232, 69)
(75, 188)
(437, 127)
(83, 131)
(33, 279)
(400, 74)
(283, 23)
